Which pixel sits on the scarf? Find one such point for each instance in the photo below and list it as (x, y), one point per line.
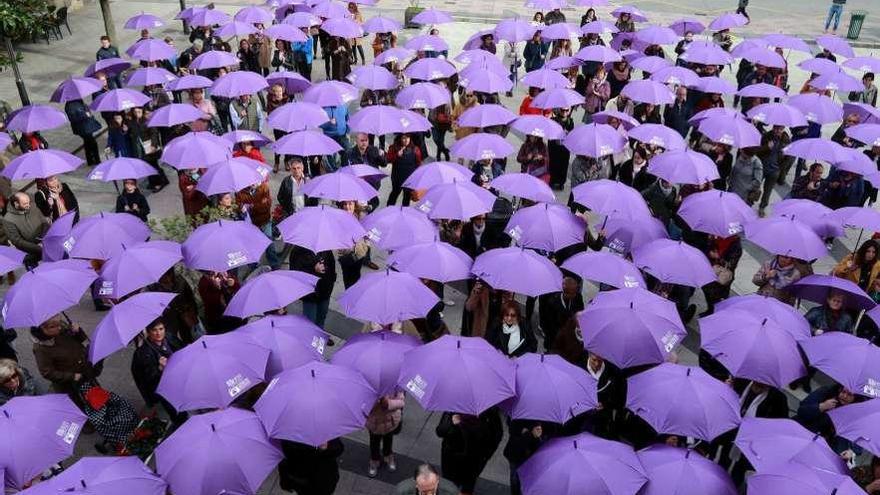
(514, 339)
(722, 245)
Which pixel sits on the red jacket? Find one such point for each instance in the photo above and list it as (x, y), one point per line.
(255, 154)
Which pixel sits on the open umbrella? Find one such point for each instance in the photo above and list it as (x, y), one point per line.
(137, 266)
(594, 140)
(119, 100)
(238, 83)
(674, 262)
(103, 475)
(254, 15)
(270, 291)
(427, 43)
(778, 114)
(321, 228)
(522, 185)
(36, 433)
(435, 173)
(849, 360)
(223, 245)
(174, 114)
(835, 44)
(485, 80)
(395, 227)
(605, 268)
(858, 422)
(735, 132)
(292, 340)
(232, 175)
(53, 239)
(631, 327)
(785, 316)
(546, 227)
(377, 356)
(610, 198)
(429, 69)
(306, 143)
(545, 79)
(103, 235)
(109, 66)
(10, 259)
(191, 81)
(659, 135)
(683, 472)
(205, 456)
(143, 21)
(237, 29)
(680, 76)
(196, 150)
(798, 479)
(456, 201)
(767, 443)
(548, 388)
(787, 237)
(148, 76)
(76, 88)
(817, 149)
(45, 291)
(648, 91)
(431, 16)
(761, 90)
(387, 297)
(125, 321)
(35, 118)
(557, 98)
(583, 464)
(339, 187)
(246, 136)
(425, 95)
(486, 116)
(378, 120)
(818, 288)
(623, 235)
(787, 41)
(817, 108)
(40, 164)
(651, 64)
(598, 53)
(819, 217)
(683, 400)
(373, 77)
(297, 116)
(214, 59)
(705, 52)
(518, 270)
(150, 50)
(865, 133)
(459, 374)
(436, 260)
(292, 82)
(398, 55)
(719, 213)
(212, 372)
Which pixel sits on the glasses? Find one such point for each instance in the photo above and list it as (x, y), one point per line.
(510, 315)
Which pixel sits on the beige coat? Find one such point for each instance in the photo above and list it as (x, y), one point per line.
(386, 414)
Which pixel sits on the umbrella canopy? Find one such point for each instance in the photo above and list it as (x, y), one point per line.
(45, 291)
(40, 164)
(598, 53)
(659, 135)
(716, 85)
(297, 116)
(431, 174)
(768, 443)
(546, 227)
(377, 356)
(10, 259)
(719, 213)
(681, 471)
(518, 270)
(204, 456)
(387, 297)
(761, 90)
(292, 82)
(236, 28)
(736, 132)
(427, 43)
(674, 262)
(429, 69)
(425, 95)
(785, 316)
(456, 201)
(798, 479)
(705, 52)
(208, 17)
(148, 76)
(817, 108)
(143, 21)
(109, 66)
(557, 98)
(378, 120)
(683, 400)
(431, 16)
(485, 80)
(583, 464)
(858, 423)
(857, 217)
(545, 79)
(232, 175)
(680, 76)
(623, 235)
(54, 238)
(103, 475)
(650, 64)
(315, 403)
(196, 150)
(819, 217)
(818, 288)
(149, 50)
(214, 59)
(396, 54)
(752, 346)
(306, 143)
(728, 21)
(339, 187)
(787, 237)
(212, 372)
(820, 66)
(599, 27)
(246, 136)
(648, 91)
(594, 141)
(321, 228)
(238, 83)
(515, 30)
(522, 185)
(786, 41)
(396, 227)
(459, 374)
(190, 81)
(137, 266)
(865, 133)
(631, 327)
(849, 360)
(344, 28)
(610, 198)
(835, 44)
(605, 268)
(125, 321)
(37, 432)
(254, 15)
(608, 116)
(270, 291)
(486, 116)
(817, 149)
(381, 24)
(549, 388)
(174, 114)
(76, 88)
(292, 340)
(836, 82)
(657, 35)
(223, 245)
(119, 100)
(436, 260)
(35, 118)
(765, 57)
(778, 114)
(374, 77)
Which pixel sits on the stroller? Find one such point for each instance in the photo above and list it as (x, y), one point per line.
(122, 430)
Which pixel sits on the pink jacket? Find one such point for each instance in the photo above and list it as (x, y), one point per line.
(384, 420)
(594, 103)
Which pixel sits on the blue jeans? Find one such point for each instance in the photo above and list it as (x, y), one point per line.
(316, 311)
(271, 254)
(331, 163)
(834, 12)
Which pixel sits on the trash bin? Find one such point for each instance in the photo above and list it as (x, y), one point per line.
(856, 20)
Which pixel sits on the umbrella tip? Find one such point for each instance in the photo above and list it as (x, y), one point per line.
(816, 436)
(6, 413)
(631, 304)
(213, 428)
(204, 344)
(575, 444)
(688, 372)
(458, 344)
(313, 372)
(542, 357)
(687, 454)
(82, 482)
(764, 322)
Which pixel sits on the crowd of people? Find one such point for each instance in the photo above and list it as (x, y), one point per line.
(605, 113)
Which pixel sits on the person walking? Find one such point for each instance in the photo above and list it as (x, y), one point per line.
(383, 423)
(741, 9)
(148, 363)
(834, 12)
(84, 125)
(404, 158)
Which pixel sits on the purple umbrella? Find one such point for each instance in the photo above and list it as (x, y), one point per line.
(650, 64)
(787, 41)
(35, 118)
(485, 80)
(719, 213)
(302, 19)
(819, 66)
(785, 316)
(486, 116)
(858, 422)
(429, 69)
(269, 292)
(373, 77)
(190, 81)
(119, 100)
(254, 15)
(10, 259)
(174, 114)
(100, 236)
(863, 64)
(378, 120)
(849, 360)
(436, 260)
(818, 216)
(150, 50)
(207, 18)
(431, 16)
(534, 274)
(363, 171)
(143, 21)
(237, 29)
(605, 118)
(735, 132)
(378, 356)
(817, 108)
(341, 27)
(598, 53)
(664, 137)
(238, 83)
(321, 228)
(786, 236)
(761, 90)
(459, 374)
(682, 166)
(817, 149)
(315, 403)
(835, 44)
(125, 321)
(674, 262)
(558, 98)
(545, 79)
(514, 30)
(727, 21)
(297, 116)
(865, 133)
(37, 432)
(687, 25)
(148, 76)
(599, 27)
(765, 57)
(706, 53)
(594, 140)
(5, 140)
(387, 297)
(583, 464)
(481, 146)
(778, 114)
(548, 388)
(246, 136)
(306, 143)
(546, 227)
(524, 186)
(752, 346)
(75, 88)
(292, 82)
(657, 35)
(396, 227)
(223, 245)
(212, 372)
(435, 173)
(109, 66)
(397, 54)
(716, 85)
(626, 335)
(563, 62)
(100, 475)
(339, 187)
(329, 9)
(768, 443)
(610, 198)
(539, 126)
(424, 95)
(381, 24)
(836, 82)
(232, 175)
(681, 471)
(214, 59)
(53, 239)
(605, 268)
(40, 164)
(204, 456)
(196, 150)
(622, 234)
(137, 266)
(865, 113)
(858, 217)
(560, 31)
(292, 340)
(683, 400)
(722, 112)
(818, 288)
(799, 479)
(648, 91)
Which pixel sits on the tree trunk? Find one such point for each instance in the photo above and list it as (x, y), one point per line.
(109, 26)
(185, 24)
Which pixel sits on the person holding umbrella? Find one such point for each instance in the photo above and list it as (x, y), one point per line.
(468, 444)
(30, 141)
(131, 200)
(84, 125)
(383, 423)
(55, 198)
(810, 185)
(773, 160)
(60, 349)
(352, 260)
(216, 289)
(16, 381)
(724, 253)
(405, 157)
(830, 316)
(289, 198)
(310, 470)
(860, 267)
(256, 202)
(775, 275)
(533, 158)
(746, 176)
(812, 413)
(512, 334)
(426, 480)
(322, 265)
(145, 145)
(194, 201)
(149, 362)
(25, 227)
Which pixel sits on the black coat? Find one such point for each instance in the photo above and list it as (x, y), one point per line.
(303, 260)
(496, 336)
(676, 116)
(135, 198)
(467, 447)
(41, 198)
(552, 313)
(308, 470)
(82, 123)
(775, 405)
(145, 366)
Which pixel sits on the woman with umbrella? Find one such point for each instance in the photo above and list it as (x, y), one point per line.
(468, 444)
(276, 98)
(559, 156)
(118, 136)
(145, 145)
(322, 265)
(180, 318)
(383, 423)
(55, 198)
(512, 334)
(216, 290)
(810, 185)
(60, 351)
(132, 201)
(534, 159)
(194, 201)
(724, 254)
(860, 267)
(404, 157)
(775, 275)
(227, 208)
(310, 470)
(598, 93)
(340, 54)
(148, 363)
(197, 99)
(812, 413)
(30, 141)
(352, 260)
(16, 381)
(830, 316)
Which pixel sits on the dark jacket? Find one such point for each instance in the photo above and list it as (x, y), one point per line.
(408, 487)
(25, 144)
(775, 405)
(404, 161)
(82, 123)
(371, 157)
(131, 199)
(309, 470)
(676, 116)
(468, 446)
(60, 358)
(303, 260)
(145, 366)
(26, 387)
(662, 205)
(499, 340)
(25, 229)
(553, 312)
(41, 199)
(105, 53)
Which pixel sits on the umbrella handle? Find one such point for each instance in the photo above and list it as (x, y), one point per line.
(856, 247)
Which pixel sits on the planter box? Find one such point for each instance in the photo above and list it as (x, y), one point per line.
(408, 14)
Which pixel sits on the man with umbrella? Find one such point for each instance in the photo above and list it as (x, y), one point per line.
(370, 155)
(774, 161)
(25, 227)
(60, 352)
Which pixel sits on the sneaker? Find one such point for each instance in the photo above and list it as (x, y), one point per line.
(449, 302)
(389, 461)
(373, 469)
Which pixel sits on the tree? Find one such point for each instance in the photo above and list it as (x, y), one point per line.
(109, 26)
(19, 20)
